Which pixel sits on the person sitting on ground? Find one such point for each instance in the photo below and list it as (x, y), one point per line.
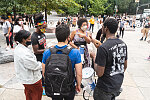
(27, 67)
(81, 37)
(62, 35)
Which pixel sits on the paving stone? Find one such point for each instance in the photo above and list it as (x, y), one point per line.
(142, 81)
(145, 92)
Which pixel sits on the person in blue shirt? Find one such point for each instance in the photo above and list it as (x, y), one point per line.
(62, 35)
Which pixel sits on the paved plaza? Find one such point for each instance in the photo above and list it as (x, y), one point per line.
(136, 85)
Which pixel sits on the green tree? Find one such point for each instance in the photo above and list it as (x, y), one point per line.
(98, 7)
(34, 6)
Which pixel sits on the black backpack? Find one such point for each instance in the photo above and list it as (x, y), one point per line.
(59, 76)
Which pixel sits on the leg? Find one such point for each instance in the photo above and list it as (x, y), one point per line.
(27, 92)
(122, 32)
(146, 33)
(11, 40)
(57, 98)
(143, 33)
(30, 24)
(43, 85)
(100, 95)
(37, 90)
(71, 96)
(90, 27)
(7, 41)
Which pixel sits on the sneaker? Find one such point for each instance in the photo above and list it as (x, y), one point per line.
(148, 58)
(44, 94)
(141, 39)
(7, 48)
(148, 41)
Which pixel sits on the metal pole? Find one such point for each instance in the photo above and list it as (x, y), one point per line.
(85, 9)
(115, 8)
(137, 8)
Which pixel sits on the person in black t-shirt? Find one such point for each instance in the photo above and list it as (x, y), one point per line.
(38, 39)
(110, 63)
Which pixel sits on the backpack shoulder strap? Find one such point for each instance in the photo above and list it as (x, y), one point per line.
(53, 50)
(67, 50)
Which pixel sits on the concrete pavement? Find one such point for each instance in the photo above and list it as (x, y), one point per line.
(136, 85)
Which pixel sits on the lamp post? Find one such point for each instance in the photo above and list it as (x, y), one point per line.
(46, 10)
(137, 8)
(85, 9)
(116, 9)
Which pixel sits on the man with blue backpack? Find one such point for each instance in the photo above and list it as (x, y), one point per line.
(60, 65)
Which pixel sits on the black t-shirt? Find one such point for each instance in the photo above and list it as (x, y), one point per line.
(147, 25)
(99, 33)
(111, 55)
(40, 40)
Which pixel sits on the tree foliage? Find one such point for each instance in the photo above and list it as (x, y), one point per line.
(98, 7)
(92, 7)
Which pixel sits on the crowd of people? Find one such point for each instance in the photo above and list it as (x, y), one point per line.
(12, 25)
(57, 71)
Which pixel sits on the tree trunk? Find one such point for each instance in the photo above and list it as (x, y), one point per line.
(14, 10)
(46, 12)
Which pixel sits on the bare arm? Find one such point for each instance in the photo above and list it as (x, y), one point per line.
(73, 45)
(36, 49)
(125, 65)
(99, 70)
(87, 38)
(71, 38)
(43, 69)
(78, 68)
(9, 29)
(96, 43)
(72, 35)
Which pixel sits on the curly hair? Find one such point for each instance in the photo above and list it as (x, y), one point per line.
(81, 21)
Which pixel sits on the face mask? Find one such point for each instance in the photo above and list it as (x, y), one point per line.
(28, 43)
(84, 28)
(43, 30)
(20, 22)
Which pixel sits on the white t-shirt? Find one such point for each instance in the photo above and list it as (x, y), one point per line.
(17, 28)
(5, 26)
